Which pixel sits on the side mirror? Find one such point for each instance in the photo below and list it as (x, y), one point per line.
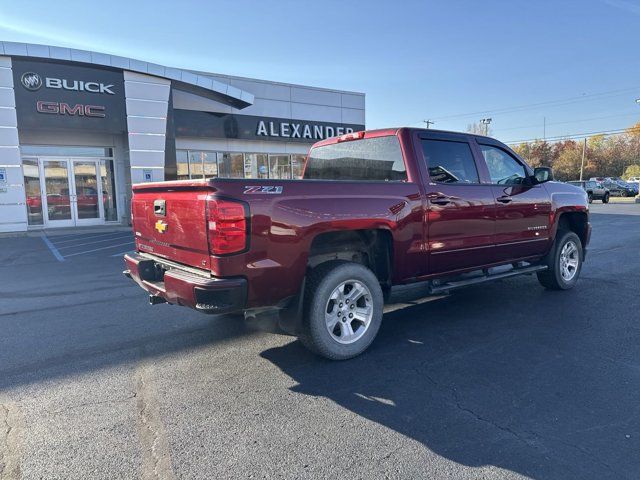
(542, 174)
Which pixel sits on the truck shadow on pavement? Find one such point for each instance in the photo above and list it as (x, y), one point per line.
(506, 374)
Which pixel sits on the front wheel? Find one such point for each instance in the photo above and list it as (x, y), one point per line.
(590, 197)
(564, 262)
(605, 199)
(343, 310)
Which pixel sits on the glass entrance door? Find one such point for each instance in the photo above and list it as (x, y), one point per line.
(87, 195)
(57, 193)
(72, 194)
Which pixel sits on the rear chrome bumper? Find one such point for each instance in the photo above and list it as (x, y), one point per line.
(182, 287)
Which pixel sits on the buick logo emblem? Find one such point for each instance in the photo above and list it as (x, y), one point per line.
(31, 81)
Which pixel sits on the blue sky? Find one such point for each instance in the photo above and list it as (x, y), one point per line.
(414, 60)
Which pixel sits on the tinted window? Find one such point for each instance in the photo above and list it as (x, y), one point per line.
(367, 159)
(450, 162)
(503, 168)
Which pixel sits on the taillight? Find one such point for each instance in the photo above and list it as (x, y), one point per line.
(226, 226)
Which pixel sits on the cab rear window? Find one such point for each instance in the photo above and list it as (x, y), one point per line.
(368, 159)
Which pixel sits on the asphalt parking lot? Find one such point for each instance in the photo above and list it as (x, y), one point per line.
(503, 380)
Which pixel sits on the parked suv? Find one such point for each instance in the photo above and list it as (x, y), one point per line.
(616, 187)
(595, 190)
(377, 214)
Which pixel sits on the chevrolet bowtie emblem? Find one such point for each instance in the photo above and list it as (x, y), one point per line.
(161, 226)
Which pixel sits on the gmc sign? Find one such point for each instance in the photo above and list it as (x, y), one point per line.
(61, 108)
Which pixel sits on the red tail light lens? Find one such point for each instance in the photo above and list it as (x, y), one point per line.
(226, 226)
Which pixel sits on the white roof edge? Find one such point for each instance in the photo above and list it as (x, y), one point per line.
(189, 80)
(273, 82)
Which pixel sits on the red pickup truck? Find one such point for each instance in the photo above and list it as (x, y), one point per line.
(377, 213)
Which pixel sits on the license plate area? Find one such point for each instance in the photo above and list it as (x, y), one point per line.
(151, 271)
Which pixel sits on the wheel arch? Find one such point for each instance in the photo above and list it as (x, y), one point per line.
(372, 248)
(574, 221)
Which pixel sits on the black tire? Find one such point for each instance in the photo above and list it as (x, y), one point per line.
(552, 278)
(322, 281)
(605, 199)
(590, 197)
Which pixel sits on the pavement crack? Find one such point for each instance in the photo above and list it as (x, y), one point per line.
(9, 442)
(156, 458)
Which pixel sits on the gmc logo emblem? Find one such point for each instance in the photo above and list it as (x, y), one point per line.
(61, 108)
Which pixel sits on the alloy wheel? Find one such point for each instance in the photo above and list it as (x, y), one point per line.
(569, 260)
(349, 311)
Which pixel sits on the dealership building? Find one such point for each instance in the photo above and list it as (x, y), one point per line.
(77, 128)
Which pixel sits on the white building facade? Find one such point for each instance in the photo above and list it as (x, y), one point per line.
(77, 128)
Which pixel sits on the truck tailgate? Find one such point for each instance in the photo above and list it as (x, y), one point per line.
(169, 220)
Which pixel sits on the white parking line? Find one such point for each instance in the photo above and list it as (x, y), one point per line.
(52, 247)
(122, 253)
(101, 248)
(87, 237)
(96, 241)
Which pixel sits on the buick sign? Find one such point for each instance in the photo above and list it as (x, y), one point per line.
(31, 81)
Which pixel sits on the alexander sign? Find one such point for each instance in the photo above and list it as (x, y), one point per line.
(290, 129)
(53, 95)
(190, 123)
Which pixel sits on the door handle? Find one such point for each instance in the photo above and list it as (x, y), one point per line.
(440, 200)
(504, 199)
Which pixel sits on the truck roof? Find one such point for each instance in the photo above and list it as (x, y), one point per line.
(382, 132)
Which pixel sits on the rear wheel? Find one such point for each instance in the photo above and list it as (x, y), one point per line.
(343, 310)
(605, 199)
(564, 262)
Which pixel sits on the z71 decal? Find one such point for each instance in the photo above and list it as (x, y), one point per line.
(268, 189)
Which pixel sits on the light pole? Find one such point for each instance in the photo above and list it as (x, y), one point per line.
(638, 195)
(486, 122)
(429, 122)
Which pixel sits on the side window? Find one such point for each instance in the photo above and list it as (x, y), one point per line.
(450, 162)
(503, 168)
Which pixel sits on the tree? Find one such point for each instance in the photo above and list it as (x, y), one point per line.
(567, 156)
(631, 171)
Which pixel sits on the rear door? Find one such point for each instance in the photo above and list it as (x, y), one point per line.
(460, 213)
(522, 211)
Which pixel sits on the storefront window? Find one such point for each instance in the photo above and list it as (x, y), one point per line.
(279, 166)
(297, 165)
(210, 162)
(182, 165)
(231, 165)
(197, 164)
(256, 165)
(196, 169)
(32, 186)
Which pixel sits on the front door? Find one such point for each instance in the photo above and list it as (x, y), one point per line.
(522, 210)
(87, 192)
(71, 192)
(461, 209)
